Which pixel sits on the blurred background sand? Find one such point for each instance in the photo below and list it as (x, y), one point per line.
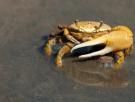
(28, 76)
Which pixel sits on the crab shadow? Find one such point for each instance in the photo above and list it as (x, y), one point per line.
(42, 44)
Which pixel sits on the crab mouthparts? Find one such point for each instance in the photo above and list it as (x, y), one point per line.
(90, 49)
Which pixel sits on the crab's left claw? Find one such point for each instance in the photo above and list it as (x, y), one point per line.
(120, 38)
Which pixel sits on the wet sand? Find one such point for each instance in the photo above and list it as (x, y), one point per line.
(26, 75)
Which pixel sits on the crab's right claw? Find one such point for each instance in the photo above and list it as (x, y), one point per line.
(119, 39)
(91, 44)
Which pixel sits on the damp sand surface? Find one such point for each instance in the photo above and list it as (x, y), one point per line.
(27, 75)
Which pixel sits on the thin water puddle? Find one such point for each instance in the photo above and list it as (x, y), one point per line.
(92, 73)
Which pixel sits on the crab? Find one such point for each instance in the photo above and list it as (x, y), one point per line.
(80, 34)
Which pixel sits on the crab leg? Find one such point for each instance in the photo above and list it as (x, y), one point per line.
(69, 37)
(48, 46)
(118, 59)
(64, 50)
(120, 56)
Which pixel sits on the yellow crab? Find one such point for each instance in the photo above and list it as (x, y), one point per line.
(118, 40)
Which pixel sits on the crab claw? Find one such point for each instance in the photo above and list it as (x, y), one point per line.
(91, 44)
(118, 39)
